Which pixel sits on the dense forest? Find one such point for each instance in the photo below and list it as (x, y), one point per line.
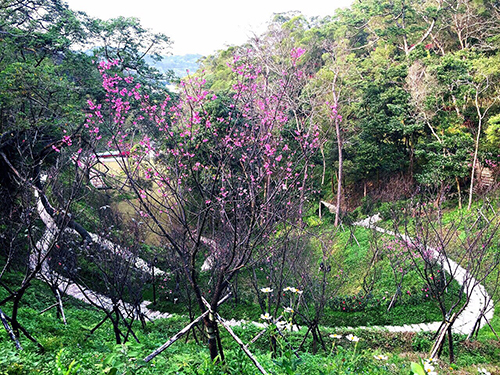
(248, 193)
(415, 83)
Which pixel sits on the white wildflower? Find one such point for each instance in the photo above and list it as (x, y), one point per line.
(483, 371)
(266, 316)
(352, 338)
(429, 369)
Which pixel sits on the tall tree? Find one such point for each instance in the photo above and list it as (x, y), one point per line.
(227, 172)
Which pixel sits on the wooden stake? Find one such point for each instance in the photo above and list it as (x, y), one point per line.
(442, 334)
(257, 337)
(174, 338)
(241, 344)
(181, 333)
(9, 330)
(48, 308)
(61, 308)
(237, 339)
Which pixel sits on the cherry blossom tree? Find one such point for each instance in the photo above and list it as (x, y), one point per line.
(224, 174)
(457, 250)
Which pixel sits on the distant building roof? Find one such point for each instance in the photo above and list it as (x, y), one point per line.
(112, 154)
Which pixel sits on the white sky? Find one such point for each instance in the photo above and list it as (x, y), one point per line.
(198, 26)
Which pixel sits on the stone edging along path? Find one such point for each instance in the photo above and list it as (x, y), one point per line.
(464, 324)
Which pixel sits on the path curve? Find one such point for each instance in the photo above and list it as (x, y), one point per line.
(76, 290)
(479, 299)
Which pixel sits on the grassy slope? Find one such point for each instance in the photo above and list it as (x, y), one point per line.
(97, 352)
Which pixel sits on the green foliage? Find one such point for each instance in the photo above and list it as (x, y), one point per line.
(125, 39)
(97, 354)
(61, 369)
(444, 161)
(422, 342)
(288, 363)
(123, 359)
(417, 368)
(493, 131)
(395, 122)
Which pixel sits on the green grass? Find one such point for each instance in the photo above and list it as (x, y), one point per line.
(97, 353)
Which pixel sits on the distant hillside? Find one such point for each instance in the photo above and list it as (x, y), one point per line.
(178, 64)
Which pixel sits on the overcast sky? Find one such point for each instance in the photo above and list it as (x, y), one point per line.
(203, 27)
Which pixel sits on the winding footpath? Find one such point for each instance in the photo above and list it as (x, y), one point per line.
(76, 290)
(479, 300)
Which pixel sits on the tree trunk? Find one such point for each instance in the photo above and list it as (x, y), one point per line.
(476, 149)
(472, 175)
(450, 345)
(324, 164)
(439, 195)
(315, 338)
(116, 322)
(339, 181)
(337, 119)
(459, 193)
(273, 344)
(211, 330)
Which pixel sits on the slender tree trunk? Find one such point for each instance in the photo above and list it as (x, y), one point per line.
(450, 345)
(439, 195)
(459, 193)
(315, 339)
(324, 164)
(302, 192)
(219, 344)
(15, 309)
(116, 322)
(211, 330)
(337, 119)
(474, 164)
(476, 148)
(339, 182)
(321, 341)
(273, 344)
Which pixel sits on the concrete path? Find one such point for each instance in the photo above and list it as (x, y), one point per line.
(464, 323)
(78, 291)
(479, 300)
(90, 297)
